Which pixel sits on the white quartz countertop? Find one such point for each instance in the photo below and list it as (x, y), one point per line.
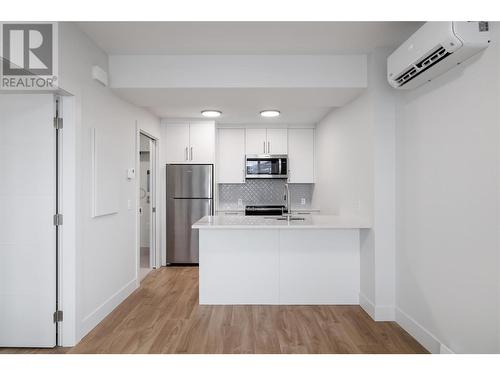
(268, 222)
(293, 210)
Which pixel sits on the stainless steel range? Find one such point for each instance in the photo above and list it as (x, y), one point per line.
(265, 210)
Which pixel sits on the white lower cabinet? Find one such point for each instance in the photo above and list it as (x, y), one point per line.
(301, 156)
(231, 156)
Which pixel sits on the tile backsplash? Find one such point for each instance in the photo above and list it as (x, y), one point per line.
(263, 192)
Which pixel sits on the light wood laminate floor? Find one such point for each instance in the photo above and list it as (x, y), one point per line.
(163, 316)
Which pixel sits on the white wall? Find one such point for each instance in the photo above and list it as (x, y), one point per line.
(384, 188)
(202, 71)
(344, 178)
(356, 176)
(447, 207)
(106, 257)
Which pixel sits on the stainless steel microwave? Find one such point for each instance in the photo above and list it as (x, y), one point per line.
(266, 166)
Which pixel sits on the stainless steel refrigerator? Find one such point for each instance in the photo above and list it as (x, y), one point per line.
(189, 198)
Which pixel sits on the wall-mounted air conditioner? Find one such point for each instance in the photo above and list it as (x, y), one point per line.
(433, 49)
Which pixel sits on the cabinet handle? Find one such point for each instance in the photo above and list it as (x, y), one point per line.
(264, 143)
(186, 153)
(268, 147)
(191, 150)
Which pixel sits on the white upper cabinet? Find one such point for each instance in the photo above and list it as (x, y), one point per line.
(277, 141)
(190, 143)
(266, 141)
(177, 143)
(201, 143)
(256, 142)
(301, 155)
(231, 156)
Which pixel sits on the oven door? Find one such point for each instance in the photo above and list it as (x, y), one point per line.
(266, 166)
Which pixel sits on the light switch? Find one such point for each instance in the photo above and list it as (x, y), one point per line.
(131, 173)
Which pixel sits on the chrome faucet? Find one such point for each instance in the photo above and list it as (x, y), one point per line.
(287, 199)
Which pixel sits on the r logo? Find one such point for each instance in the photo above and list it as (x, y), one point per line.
(27, 49)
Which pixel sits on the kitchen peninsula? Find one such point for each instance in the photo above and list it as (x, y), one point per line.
(313, 259)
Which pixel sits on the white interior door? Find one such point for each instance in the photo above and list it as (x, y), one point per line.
(27, 231)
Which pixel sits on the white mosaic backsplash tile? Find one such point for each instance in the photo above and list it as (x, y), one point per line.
(262, 192)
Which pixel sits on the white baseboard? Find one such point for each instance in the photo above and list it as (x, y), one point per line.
(377, 313)
(445, 350)
(419, 333)
(96, 316)
(367, 305)
(384, 314)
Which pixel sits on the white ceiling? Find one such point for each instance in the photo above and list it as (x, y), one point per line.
(246, 37)
(243, 105)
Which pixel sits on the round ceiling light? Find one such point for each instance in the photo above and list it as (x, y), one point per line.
(270, 113)
(211, 113)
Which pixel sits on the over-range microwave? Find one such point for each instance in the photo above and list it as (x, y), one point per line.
(266, 166)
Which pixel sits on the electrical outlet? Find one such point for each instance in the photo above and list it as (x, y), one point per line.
(302, 201)
(240, 202)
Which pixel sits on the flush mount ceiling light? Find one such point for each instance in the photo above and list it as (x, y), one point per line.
(211, 113)
(270, 113)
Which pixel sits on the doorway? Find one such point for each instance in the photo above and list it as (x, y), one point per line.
(147, 204)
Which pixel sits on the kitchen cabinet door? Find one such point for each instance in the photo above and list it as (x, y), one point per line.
(202, 143)
(177, 143)
(301, 155)
(255, 141)
(277, 142)
(231, 156)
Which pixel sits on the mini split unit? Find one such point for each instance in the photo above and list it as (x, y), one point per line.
(433, 49)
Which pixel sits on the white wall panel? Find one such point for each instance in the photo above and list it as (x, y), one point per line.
(447, 206)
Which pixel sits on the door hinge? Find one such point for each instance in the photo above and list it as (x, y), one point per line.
(58, 219)
(58, 316)
(58, 123)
